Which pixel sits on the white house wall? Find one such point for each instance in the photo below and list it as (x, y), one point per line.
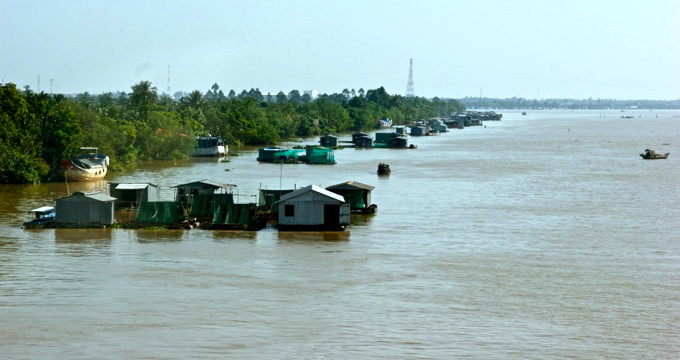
(309, 210)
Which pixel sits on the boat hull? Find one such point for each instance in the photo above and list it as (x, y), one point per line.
(77, 174)
(212, 151)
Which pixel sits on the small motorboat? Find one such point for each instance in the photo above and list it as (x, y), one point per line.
(384, 169)
(41, 217)
(650, 154)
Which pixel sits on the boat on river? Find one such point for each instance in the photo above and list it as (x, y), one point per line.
(650, 154)
(90, 165)
(40, 217)
(384, 169)
(209, 146)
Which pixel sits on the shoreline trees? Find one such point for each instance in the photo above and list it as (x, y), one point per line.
(42, 129)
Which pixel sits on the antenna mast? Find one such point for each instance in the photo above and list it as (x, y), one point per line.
(168, 80)
(410, 91)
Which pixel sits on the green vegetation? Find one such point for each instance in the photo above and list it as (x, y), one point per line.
(40, 129)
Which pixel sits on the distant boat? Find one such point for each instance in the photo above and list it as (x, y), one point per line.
(384, 123)
(90, 165)
(209, 146)
(41, 217)
(650, 154)
(384, 169)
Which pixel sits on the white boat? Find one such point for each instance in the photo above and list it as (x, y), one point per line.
(384, 123)
(86, 167)
(210, 146)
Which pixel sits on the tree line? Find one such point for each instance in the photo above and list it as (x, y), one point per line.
(39, 129)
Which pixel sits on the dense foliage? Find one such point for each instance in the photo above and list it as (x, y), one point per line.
(37, 130)
(40, 129)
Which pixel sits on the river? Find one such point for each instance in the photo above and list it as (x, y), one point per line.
(541, 236)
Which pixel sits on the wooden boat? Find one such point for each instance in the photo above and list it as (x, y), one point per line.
(41, 217)
(86, 167)
(384, 169)
(650, 154)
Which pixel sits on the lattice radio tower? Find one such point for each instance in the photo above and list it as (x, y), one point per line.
(410, 91)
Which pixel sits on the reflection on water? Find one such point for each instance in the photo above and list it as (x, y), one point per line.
(158, 236)
(82, 236)
(312, 236)
(232, 235)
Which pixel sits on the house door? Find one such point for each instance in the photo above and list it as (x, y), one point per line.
(331, 215)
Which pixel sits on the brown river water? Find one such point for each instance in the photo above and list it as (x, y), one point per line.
(542, 236)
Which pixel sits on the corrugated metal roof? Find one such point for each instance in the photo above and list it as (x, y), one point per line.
(132, 186)
(100, 197)
(206, 184)
(350, 185)
(314, 188)
(43, 209)
(94, 195)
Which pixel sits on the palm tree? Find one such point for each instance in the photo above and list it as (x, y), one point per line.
(194, 100)
(144, 95)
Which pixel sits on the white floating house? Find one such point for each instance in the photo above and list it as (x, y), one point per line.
(313, 208)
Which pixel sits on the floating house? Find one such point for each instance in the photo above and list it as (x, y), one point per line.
(281, 155)
(329, 141)
(390, 140)
(131, 195)
(357, 194)
(313, 208)
(363, 141)
(358, 136)
(83, 210)
(316, 155)
(186, 192)
(201, 187)
(418, 130)
(269, 154)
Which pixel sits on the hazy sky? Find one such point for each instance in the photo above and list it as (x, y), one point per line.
(628, 49)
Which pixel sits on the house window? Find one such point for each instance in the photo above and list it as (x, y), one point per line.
(289, 210)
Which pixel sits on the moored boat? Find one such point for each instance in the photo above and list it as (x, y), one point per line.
(209, 146)
(86, 167)
(41, 217)
(384, 169)
(650, 154)
(384, 123)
